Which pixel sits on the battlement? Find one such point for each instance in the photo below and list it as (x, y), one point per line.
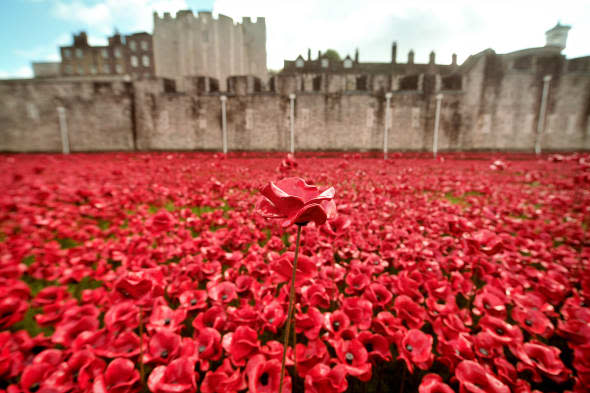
(246, 20)
(206, 16)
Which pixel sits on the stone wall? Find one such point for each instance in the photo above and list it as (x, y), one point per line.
(98, 115)
(496, 109)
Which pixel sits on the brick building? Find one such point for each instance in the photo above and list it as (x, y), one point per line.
(130, 55)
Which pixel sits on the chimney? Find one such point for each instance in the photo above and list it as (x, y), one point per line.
(319, 54)
(356, 55)
(411, 56)
(432, 58)
(394, 52)
(308, 54)
(454, 61)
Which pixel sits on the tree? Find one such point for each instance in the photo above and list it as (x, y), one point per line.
(332, 55)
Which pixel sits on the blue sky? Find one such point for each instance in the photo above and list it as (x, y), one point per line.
(32, 30)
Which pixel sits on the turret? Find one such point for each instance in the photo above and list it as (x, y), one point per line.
(557, 36)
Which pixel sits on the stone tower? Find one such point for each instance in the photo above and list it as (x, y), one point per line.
(191, 45)
(557, 36)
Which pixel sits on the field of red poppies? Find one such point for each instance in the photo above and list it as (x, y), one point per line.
(470, 273)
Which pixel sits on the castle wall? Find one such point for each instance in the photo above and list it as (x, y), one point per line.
(497, 109)
(98, 116)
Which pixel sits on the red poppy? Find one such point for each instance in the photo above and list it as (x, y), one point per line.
(122, 316)
(208, 346)
(309, 323)
(410, 312)
(193, 299)
(165, 318)
(162, 347)
(12, 310)
(283, 266)
(224, 292)
(133, 286)
(502, 332)
(377, 294)
(432, 383)
(542, 359)
(485, 241)
(360, 311)
(533, 321)
(84, 367)
(214, 317)
(415, 348)
(162, 221)
(336, 321)
(244, 344)
(297, 202)
(225, 379)
(177, 377)
(309, 355)
(264, 375)
(473, 378)
(119, 377)
(354, 357)
(376, 345)
(321, 378)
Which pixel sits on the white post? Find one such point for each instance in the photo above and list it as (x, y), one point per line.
(439, 98)
(224, 123)
(63, 129)
(387, 122)
(292, 122)
(542, 110)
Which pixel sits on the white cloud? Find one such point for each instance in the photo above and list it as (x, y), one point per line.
(126, 15)
(18, 73)
(464, 27)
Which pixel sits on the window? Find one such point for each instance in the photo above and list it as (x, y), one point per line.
(106, 69)
(117, 53)
(144, 45)
(361, 83)
(347, 63)
(134, 61)
(80, 70)
(145, 60)
(409, 82)
(93, 69)
(146, 75)
(69, 69)
(119, 68)
(317, 83)
(67, 53)
(79, 53)
(105, 53)
(205, 36)
(325, 63)
(132, 45)
(299, 63)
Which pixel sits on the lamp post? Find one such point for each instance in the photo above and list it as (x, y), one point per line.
(292, 121)
(224, 123)
(387, 123)
(542, 111)
(439, 98)
(63, 129)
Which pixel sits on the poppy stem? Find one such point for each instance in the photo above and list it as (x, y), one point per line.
(141, 368)
(290, 309)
